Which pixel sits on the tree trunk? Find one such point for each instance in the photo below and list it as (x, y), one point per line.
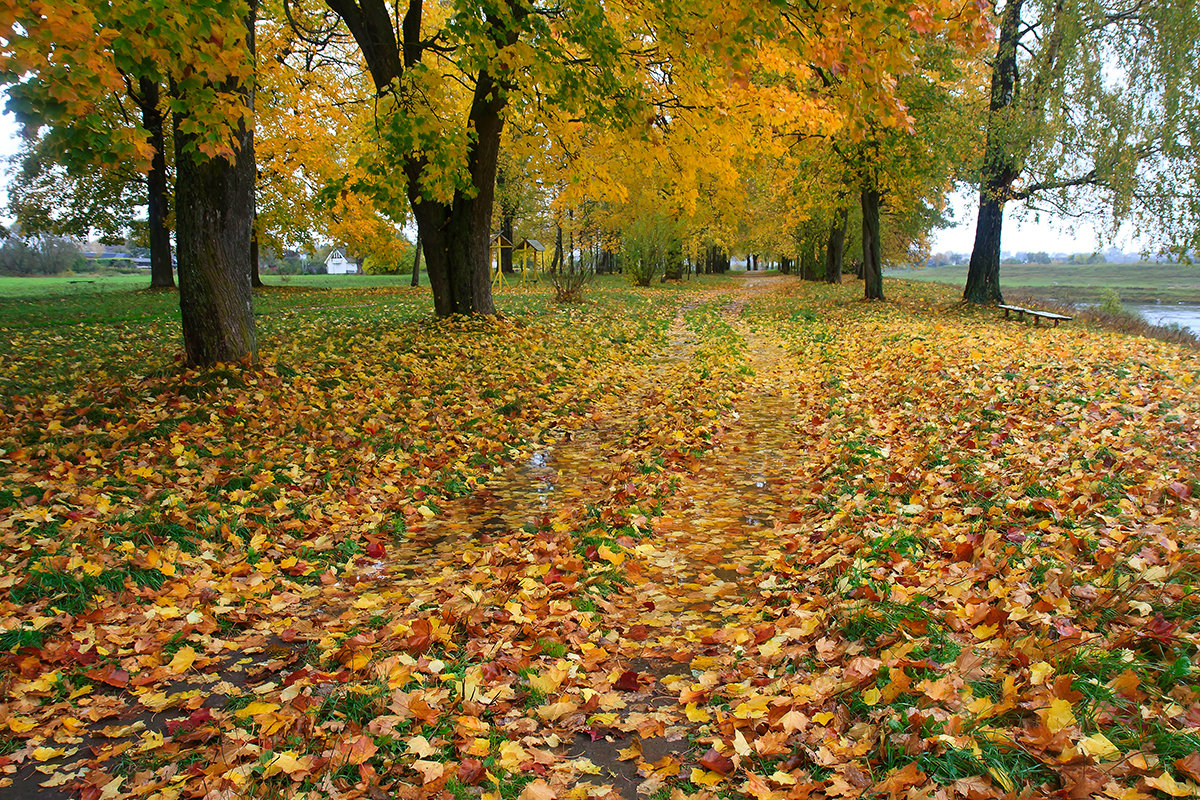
(809, 260)
(161, 274)
(835, 250)
(457, 234)
(983, 275)
(255, 278)
(557, 260)
(416, 273)
(506, 253)
(214, 202)
(999, 167)
(872, 269)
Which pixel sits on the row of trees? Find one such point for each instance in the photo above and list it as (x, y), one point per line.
(670, 130)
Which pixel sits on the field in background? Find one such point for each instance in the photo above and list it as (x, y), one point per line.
(1135, 283)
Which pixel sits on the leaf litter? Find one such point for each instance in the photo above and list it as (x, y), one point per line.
(753, 540)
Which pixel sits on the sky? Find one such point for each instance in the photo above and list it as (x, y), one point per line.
(1019, 236)
(1024, 236)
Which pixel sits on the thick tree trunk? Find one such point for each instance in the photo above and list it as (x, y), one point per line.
(214, 202)
(835, 249)
(213, 225)
(809, 260)
(872, 268)
(161, 274)
(999, 166)
(983, 275)
(416, 273)
(457, 234)
(255, 278)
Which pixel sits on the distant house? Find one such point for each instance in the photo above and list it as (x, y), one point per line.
(115, 257)
(336, 263)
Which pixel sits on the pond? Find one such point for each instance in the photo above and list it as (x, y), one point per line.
(1183, 314)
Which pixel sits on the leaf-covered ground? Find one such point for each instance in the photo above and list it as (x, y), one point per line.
(748, 537)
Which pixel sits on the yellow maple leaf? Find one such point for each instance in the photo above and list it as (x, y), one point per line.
(1059, 715)
(183, 660)
(1165, 783)
(705, 777)
(1098, 746)
(21, 724)
(256, 708)
(614, 557)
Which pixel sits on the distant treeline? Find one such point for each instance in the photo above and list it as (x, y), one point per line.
(46, 255)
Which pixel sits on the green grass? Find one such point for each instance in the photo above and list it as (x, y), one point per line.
(1136, 283)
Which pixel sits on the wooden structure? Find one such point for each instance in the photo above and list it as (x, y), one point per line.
(531, 259)
(1037, 315)
(500, 242)
(532, 254)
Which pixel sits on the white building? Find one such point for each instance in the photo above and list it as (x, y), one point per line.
(336, 263)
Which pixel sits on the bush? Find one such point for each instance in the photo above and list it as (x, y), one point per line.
(1110, 302)
(648, 248)
(570, 282)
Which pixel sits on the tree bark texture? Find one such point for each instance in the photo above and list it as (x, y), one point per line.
(255, 277)
(457, 234)
(808, 258)
(872, 268)
(214, 201)
(416, 273)
(556, 261)
(835, 248)
(162, 275)
(999, 170)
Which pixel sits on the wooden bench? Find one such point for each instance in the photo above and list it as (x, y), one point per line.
(1037, 315)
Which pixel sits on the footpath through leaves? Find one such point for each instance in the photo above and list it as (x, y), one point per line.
(749, 538)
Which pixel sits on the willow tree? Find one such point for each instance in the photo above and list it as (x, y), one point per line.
(1093, 113)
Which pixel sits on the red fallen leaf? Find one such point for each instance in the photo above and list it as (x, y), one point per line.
(628, 681)
(763, 632)
(1180, 490)
(423, 711)
(113, 677)
(1189, 765)
(289, 635)
(714, 761)
(637, 633)
(1160, 629)
(197, 718)
(355, 751)
(897, 784)
(592, 553)
(471, 771)
(491, 671)
(376, 550)
(420, 638)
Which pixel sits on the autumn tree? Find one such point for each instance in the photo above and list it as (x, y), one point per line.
(90, 172)
(1093, 112)
(68, 54)
(446, 76)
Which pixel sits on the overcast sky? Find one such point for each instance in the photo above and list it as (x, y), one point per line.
(1018, 236)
